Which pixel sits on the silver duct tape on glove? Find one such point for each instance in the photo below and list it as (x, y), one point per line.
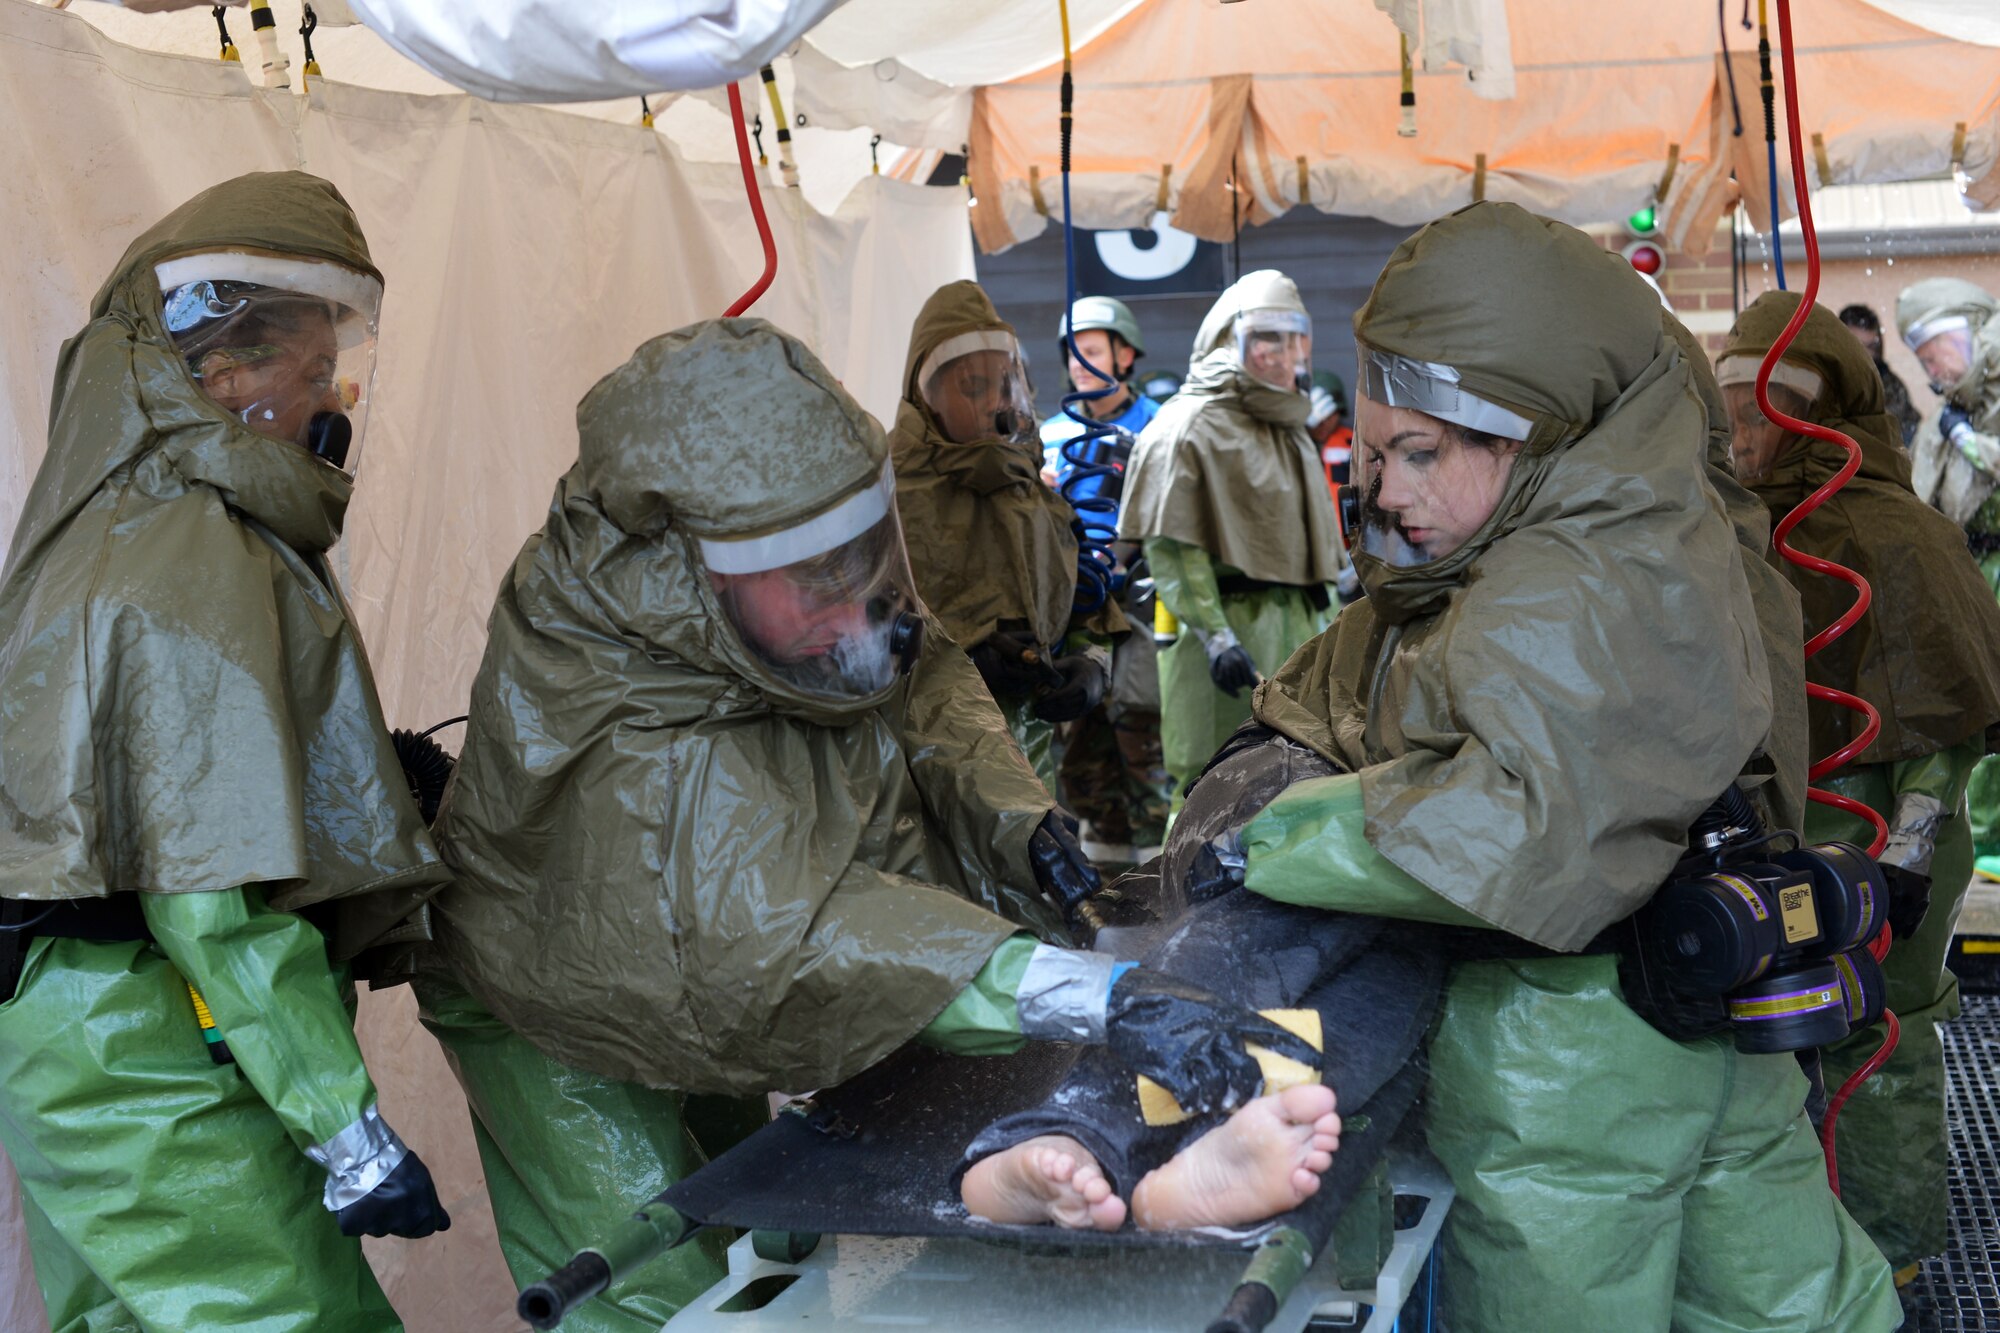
(1913, 832)
(1065, 994)
(1220, 642)
(358, 1159)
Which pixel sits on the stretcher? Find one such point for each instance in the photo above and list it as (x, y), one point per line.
(854, 1217)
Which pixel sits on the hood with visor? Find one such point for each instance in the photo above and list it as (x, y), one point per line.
(1537, 717)
(184, 702)
(1940, 474)
(992, 543)
(678, 863)
(1228, 464)
(1935, 690)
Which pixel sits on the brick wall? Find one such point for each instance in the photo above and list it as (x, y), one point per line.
(1699, 288)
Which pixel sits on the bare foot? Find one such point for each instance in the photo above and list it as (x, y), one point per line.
(1046, 1179)
(1264, 1160)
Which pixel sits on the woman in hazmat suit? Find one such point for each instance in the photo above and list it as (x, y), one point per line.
(1226, 492)
(1557, 668)
(207, 821)
(1927, 655)
(728, 820)
(1955, 462)
(993, 548)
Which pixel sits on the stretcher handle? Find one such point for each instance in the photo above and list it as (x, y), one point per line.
(544, 1304)
(644, 1237)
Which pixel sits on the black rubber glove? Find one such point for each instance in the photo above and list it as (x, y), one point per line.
(1229, 666)
(1084, 680)
(1192, 1043)
(1064, 873)
(404, 1204)
(1217, 867)
(1012, 663)
(1909, 899)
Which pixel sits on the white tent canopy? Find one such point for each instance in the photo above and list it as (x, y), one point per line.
(1227, 114)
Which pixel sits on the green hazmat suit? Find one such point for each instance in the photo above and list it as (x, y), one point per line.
(677, 873)
(1961, 482)
(1927, 655)
(1532, 720)
(990, 543)
(1226, 491)
(186, 713)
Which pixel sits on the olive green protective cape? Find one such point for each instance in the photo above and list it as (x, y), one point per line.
(1538, 716)
(1941, 474)
(218, 726)
(1778, 611)
(671, 871)
(1927, 652)
(989, 541)
(1227, 466)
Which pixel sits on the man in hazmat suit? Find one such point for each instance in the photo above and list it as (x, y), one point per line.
(1955, 462)
(1113, 775)
(1558, 666)
(1927, 655)
(206, 818)
(993, 548)
(1227, 493)
(728, 820)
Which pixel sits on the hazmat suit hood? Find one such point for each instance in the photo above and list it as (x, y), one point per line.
(722, 431)
(1927, 652)
(1206, 469)
(990, 542)
(184, 702)
(1940, 474)
(673, 869)
(1537, 717)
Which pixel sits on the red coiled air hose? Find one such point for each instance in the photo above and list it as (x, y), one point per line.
(1827, 694)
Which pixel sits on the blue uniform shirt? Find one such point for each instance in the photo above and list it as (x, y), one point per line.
(1059, 429)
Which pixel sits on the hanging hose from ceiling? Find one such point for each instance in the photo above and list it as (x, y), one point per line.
(1096, 524)
(1825, 694)
(1771, 132)
(757, 288)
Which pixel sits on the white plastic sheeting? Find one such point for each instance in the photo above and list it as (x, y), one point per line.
(526, 253)
(583, 50)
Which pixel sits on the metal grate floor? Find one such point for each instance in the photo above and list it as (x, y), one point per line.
(1959, 1292)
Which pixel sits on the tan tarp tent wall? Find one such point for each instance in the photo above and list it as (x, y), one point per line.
(1611, 103)
(526, 252)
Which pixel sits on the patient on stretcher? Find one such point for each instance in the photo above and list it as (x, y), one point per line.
(1102, 1149)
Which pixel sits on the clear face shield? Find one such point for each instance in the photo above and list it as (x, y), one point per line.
(285, 345)
(1430, 461)
(827, 606)
(1944, 347)
(1755, 441)
(976, 386)
(1276, 347)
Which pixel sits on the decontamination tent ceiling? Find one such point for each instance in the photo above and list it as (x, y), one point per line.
(1228, 114)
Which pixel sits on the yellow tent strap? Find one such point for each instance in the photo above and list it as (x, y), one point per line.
(788, 168)
(228, 47)
(1406, 126)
